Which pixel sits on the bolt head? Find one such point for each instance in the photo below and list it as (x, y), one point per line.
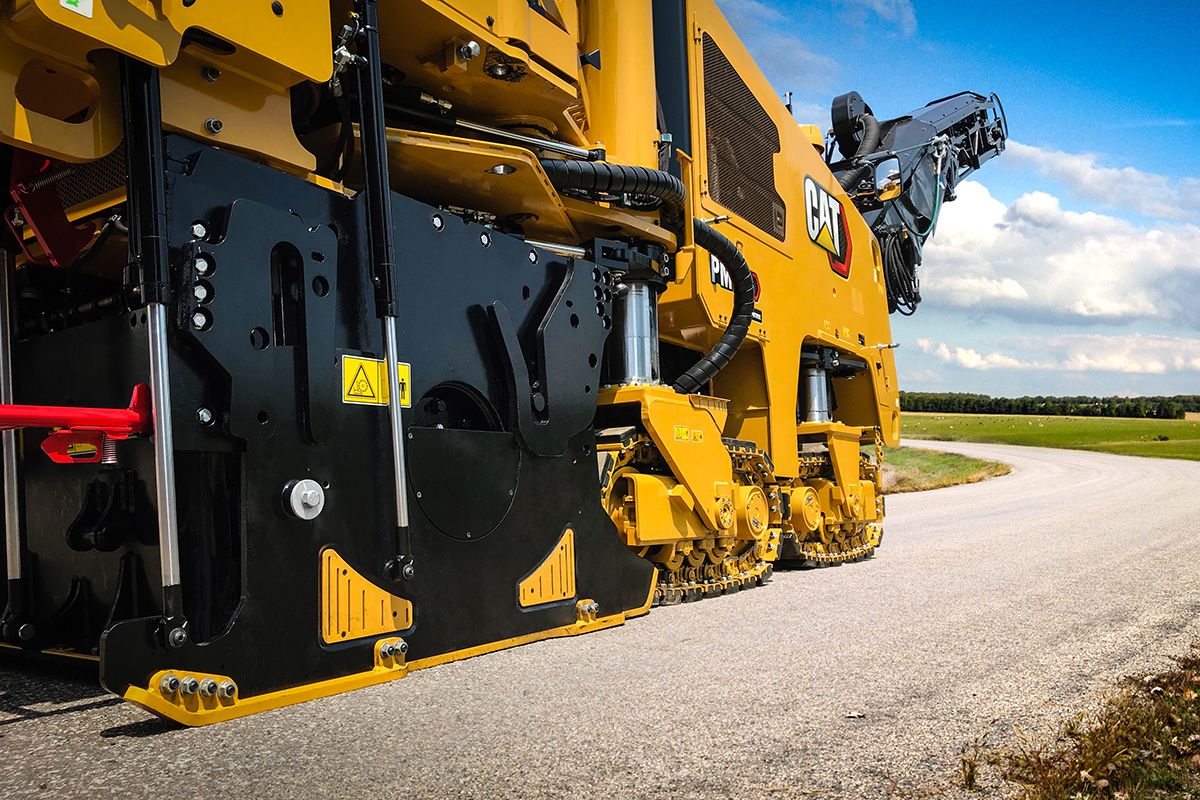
(200, 292)
(199, 320)
(198, 230)
(177, 637)
(304, 499)
(202, 264)
(438, 222)
(210, 74)
(408, 571)
(213, 126)
(533, 258)
(485, 239)
(469, 50)
(204, 416)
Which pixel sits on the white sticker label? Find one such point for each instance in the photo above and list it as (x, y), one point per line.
(83, 7)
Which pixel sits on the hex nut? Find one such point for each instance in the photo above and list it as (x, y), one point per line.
(208, 687)
(177, 637)
(226, 689)
(189, 685)
(469, 50)
(169, 684)
(304, 498)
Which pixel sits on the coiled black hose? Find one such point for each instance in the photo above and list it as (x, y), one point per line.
(900, 262)
(867, 145)
(603, 177)
(727, 346)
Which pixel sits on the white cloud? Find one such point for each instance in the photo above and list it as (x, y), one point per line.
(1134, 354)
(896, 12)
(1033, 260)
(786, 59)
(1121, 188)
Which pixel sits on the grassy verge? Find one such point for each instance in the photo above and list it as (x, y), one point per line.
(1143, 745)
(911, 469)
(1137, 437)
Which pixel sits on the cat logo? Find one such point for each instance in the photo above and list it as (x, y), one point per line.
(826, 222)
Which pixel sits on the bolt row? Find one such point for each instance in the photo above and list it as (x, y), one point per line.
(392, 650)
(189, 685)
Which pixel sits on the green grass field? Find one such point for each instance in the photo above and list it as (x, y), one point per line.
(911, 469)
(1133, 437)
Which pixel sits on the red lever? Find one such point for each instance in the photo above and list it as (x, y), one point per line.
(79, 432)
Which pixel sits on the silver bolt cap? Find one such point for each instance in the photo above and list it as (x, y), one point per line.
(198, 230)
(208, 687)
(189, 685)
(469, 50)
(304, 499)
(169, 684)
(227, 689)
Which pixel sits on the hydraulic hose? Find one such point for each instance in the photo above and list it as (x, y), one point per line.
(723, 351)
(867, 145)
(601, 176)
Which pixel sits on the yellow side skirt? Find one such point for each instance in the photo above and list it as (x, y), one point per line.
(151, 699)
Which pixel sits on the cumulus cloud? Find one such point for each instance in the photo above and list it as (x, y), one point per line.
(1122, 188)
(1134, 354)
(1033, 260)
(895, 12)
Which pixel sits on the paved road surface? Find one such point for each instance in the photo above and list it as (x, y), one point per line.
(1016, 601)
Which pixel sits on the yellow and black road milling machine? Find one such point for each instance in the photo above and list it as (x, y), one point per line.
(339, 340)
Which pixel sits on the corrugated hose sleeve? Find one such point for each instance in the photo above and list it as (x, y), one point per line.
(727, 346)
(601, 176)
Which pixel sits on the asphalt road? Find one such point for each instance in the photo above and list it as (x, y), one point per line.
(1018, 601)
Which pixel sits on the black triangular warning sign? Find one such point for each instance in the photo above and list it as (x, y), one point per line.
(361, 385)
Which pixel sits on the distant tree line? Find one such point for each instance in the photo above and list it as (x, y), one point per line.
(962, 403)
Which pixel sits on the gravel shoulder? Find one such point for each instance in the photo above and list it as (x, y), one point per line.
(1014, 602)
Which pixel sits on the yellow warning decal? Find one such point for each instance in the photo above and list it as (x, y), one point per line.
(697, 435)
(364, 381)
(682, 433)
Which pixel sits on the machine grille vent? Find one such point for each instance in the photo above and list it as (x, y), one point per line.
(92, 179)
(742, 143)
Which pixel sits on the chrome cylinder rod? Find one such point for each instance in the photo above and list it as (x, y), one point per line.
(395, 413)
(12, 487)
(816, 395)
(635, 312)
(164, 445)
(531, 142)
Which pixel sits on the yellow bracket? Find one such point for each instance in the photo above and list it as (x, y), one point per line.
(215, 698)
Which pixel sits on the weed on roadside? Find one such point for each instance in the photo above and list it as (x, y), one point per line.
(1144, 744)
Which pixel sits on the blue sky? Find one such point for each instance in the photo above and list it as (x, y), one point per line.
(1071, 263)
